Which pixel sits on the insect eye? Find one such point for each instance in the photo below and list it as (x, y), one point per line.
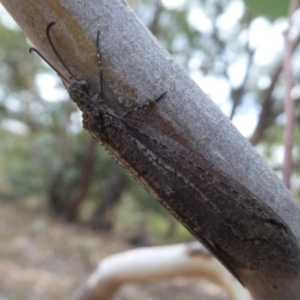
(84, 85)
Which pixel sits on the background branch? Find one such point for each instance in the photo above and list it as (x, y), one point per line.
(288, 103)
(269, 110)
(156, 263)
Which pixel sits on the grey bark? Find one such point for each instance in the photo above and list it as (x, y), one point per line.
(137, 68)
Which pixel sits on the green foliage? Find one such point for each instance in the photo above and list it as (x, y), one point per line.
(272, 9)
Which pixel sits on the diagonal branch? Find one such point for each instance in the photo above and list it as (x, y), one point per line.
(237, 93)
(268, 111)
(182, 149)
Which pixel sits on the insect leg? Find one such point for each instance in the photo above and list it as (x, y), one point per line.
(142, 106)
(100, 69)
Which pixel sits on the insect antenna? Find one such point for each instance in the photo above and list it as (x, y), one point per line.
(55, 51)
(57, 54)
(47, 61)
(100, 69)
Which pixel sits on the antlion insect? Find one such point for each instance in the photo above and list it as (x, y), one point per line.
(241, 230)
(79, 89)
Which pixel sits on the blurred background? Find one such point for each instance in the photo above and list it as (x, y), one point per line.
(65, 204)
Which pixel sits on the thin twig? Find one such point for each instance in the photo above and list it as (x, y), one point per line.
(289, 104)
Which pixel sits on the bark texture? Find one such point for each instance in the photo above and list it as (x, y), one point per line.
(179, 144)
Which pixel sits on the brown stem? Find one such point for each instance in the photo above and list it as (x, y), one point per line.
(80, 192)
(102, 218)
(268, 114)
(153, 26)
(289, 103)
(237, 93)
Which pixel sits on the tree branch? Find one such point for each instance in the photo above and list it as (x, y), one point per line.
(182, 149)
(268, 114)
(154, 263)
(289, 105)
(238, 92)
